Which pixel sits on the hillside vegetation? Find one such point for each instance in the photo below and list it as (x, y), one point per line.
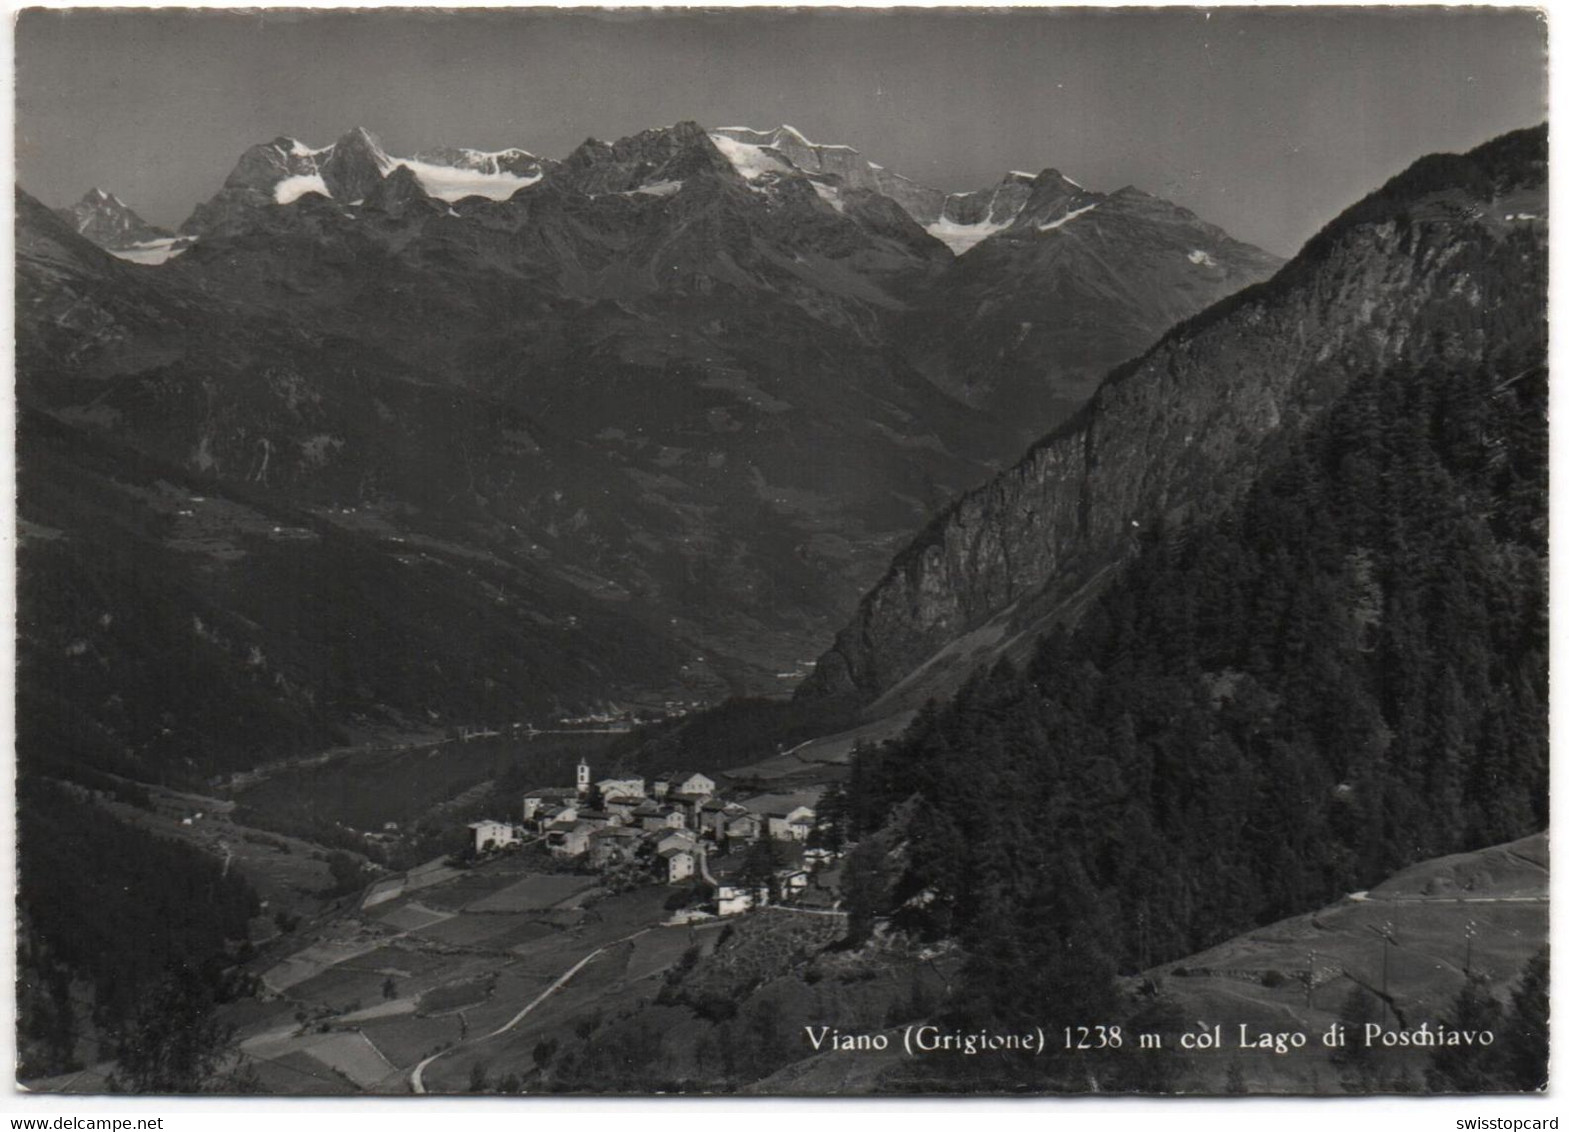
(1342, 675)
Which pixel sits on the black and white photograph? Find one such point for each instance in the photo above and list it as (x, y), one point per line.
(780, 553)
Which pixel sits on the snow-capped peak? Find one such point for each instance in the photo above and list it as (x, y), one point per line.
(109, 222)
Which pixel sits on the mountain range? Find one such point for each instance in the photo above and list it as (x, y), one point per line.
(1022, 330)
(478, 435)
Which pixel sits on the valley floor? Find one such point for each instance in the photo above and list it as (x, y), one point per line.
(448, 980)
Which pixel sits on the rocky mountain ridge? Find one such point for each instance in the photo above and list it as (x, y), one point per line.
(285, 169)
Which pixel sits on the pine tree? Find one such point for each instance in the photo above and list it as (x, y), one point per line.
(1523, 1043)
(175, 1044)
(1471, 1069)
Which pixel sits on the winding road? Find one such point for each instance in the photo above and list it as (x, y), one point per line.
(417, 1075)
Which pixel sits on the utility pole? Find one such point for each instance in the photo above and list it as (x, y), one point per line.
(1388, 933)
(1470, 935)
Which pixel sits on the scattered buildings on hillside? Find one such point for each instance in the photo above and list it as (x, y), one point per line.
(671, 823)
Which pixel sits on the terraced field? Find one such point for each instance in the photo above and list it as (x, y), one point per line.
(439, 965)
(533, 894)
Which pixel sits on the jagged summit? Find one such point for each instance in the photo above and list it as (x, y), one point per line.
(397, 192)
(1048, 200)
(262, 166)
(664, 156)
(356, 165)
(109, 222)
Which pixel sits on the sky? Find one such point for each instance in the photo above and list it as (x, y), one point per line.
(1267, 122)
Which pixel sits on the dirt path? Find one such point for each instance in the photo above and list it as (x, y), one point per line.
(417, 1076)
(1371, 898)
(809, 911)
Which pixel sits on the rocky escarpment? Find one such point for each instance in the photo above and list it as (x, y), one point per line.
(1448, 259)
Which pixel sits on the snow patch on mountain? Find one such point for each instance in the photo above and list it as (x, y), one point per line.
(660, 188)
(830, 194)
(960, 238)
(480, 160)
(153, 252)
(449, 183)
(751, 161)
(291, 189)
(1048, 225)
(1202, 258)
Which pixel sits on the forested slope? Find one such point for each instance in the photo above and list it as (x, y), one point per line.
(1343, 674)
